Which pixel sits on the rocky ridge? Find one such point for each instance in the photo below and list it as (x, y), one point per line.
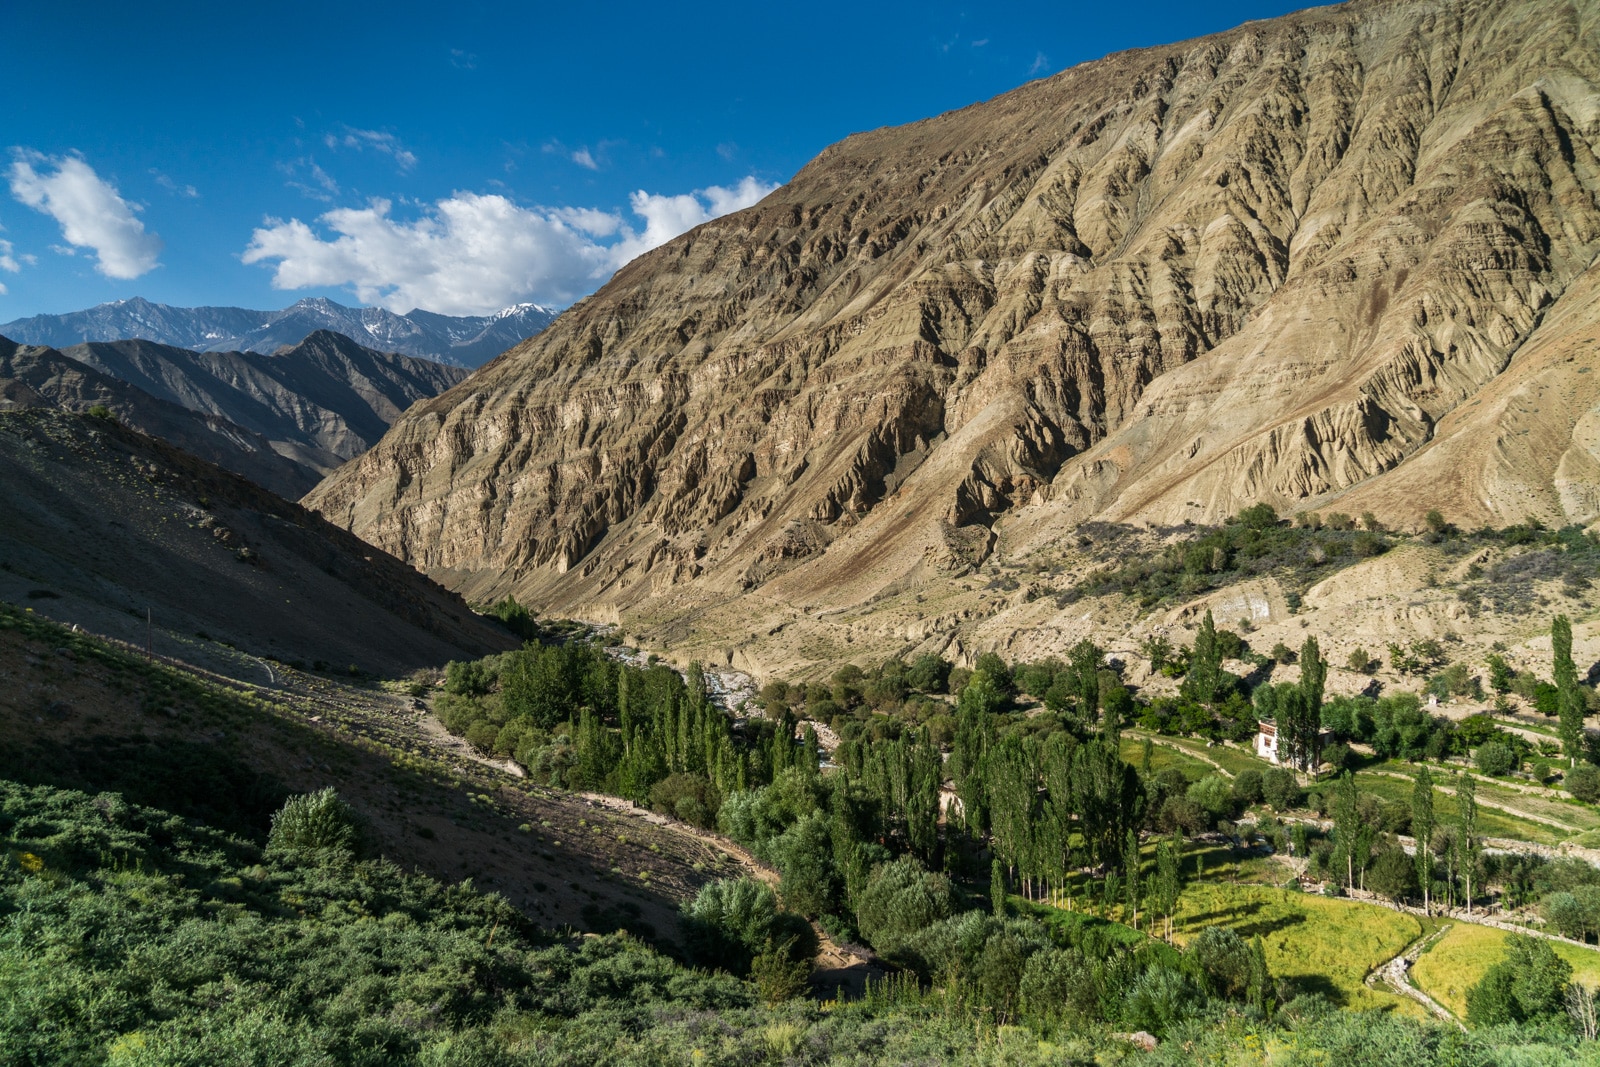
(463, 340)
(283, 420)
(1340, 259)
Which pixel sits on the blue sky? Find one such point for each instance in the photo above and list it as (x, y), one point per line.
(460, 157)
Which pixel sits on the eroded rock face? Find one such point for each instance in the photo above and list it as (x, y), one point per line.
(1285, 263)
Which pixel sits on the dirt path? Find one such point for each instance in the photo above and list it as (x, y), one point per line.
(1483, 802)
(1164, 743)
(1394, 974)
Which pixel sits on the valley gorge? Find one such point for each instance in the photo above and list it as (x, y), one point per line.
(1339, 259)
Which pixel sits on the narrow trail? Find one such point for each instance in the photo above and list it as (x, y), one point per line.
(1484, 802)
(1394, 974)
(1165, 743)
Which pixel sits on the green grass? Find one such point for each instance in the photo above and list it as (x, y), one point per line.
(1491, 823)
(1231, 760)
(1162, 757)
(1458, 960)
(1322, 944)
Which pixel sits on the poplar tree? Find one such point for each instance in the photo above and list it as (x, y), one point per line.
(1205, 664)
(1347, 825)
(1569, 700)
(1422, 831)
(1133, 867)
(1169, 877)
(1313, 676)
(1467, 808)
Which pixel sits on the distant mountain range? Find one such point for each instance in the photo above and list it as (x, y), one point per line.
(282, 420)
(467, 341)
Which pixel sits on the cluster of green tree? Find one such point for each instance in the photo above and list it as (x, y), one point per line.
(579, 719)
(1569, 554)
(136, 938)
(1531, 986)
(1568, 891)
(888, 696)
(1362, 850)
(1398, 727)
(1253, 542)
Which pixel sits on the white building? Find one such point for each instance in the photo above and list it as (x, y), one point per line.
(1267, 742)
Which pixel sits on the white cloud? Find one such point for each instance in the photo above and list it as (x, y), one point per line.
(584, 159)
(91, 212)
(471, 253)
(1041, 64)
(188, 192)
(377, 140)
(8, 261)
(668, 216)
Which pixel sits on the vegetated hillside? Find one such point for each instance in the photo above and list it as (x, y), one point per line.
(151, 916)
(101, 523)
(1336, 259)
(463, 340)
(284, 419)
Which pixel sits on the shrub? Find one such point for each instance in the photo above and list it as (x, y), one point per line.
(1393, 874)
(731, 922)
(1583, 782)
(1247, 786)
(314, 822)
(1494, 758)
(1528, 985)
(1279, 788)
(1360, 661)
(1214, 795)
(900, 899)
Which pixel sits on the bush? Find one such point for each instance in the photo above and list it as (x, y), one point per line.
(1360, 661)
(1528, 985)
(1279, 788)
(731, 922)
(1583, 782)
(1394, 875)
(1214, 796)
(314, 822)
(900, 899)
(1247, 787)
(688, 797)
(1495, 758)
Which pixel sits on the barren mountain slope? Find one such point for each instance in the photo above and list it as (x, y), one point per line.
(101, 524)
(1283, 263)
(320, 402)
(43, 377)
(283, 420)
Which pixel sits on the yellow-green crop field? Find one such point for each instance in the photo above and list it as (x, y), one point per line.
(1325, 944)
(1457, 961)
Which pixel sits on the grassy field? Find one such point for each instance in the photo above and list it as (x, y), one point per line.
(1491, 823)
(1324, 945)
(1459, 959)
(1162, 757)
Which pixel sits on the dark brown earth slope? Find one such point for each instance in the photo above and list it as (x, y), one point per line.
(1340, 259)
(100, 523)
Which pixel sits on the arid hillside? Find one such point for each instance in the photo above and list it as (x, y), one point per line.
(102, 525)
(282, 420)
(1340, 259)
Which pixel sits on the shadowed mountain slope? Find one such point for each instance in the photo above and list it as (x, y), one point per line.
(102, 523)
(1341, 258)
(283, 420)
